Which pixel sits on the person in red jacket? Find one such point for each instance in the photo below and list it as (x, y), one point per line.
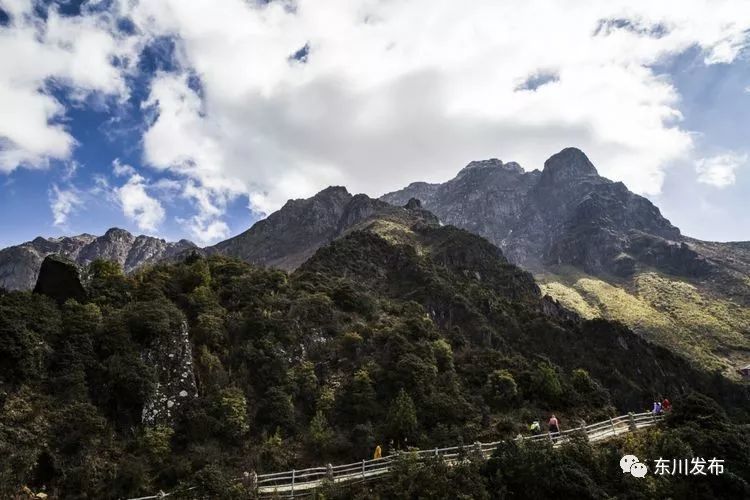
(666, 405)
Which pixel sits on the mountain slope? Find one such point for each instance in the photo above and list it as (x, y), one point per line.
(19, 265)
(399, 332)
(289, 236)
(605, 252)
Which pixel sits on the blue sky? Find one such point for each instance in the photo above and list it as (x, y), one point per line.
(194, 119)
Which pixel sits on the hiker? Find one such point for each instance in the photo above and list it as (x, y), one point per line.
(535, 428)
(378, 452)
(554, 425)
(666, 405)
(657, 408)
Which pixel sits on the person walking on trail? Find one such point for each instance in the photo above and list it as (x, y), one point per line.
(554, 425)
(666, 405)
(657, 408)
(378, 452)
(535, 428)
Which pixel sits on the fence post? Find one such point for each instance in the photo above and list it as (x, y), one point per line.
(631, 418)
(436, 451)
(612, 423)
(363, 467)
(329, 472)
(478, 448)
(293, 482)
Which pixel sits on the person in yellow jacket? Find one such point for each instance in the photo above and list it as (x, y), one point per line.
(378, 452)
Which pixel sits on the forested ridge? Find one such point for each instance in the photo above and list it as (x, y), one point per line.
(427, 339)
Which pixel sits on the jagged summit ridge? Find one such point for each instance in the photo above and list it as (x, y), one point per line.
(565, 214)
(288, 237)
(20, 264)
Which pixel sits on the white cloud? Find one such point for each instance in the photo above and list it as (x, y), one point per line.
(390, 92)
(205, 231)
(63, 202)
(720, 170)
(393, 92)
(122, 169)
(147, 212)
(74, 52)
(206, 226)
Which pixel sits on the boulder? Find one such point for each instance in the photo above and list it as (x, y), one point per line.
(60, 280)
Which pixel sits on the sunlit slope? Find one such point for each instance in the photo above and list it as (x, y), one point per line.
(708, 328)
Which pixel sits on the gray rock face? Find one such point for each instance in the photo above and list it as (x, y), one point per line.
(20, 264)
(172, 360)
(565, 214)
(288, 237)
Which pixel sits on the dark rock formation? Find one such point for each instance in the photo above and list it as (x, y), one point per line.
(59, 279)
(19, 265)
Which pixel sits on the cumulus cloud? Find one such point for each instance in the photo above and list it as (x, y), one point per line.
(276, 100)
(391, 92)
(122, 169)
(206, 226)
(83, 54)
(720, 170)
(63, 202)
(147, 212)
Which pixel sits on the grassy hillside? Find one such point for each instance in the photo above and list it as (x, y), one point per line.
(708, 328)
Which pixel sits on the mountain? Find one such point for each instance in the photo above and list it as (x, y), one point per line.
(604, 251)
(285, 239)
(400, 332)
(565, 214)
(593, 246)
(289, 236)
(20, 264)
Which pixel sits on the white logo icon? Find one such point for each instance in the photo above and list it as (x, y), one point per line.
(630, 463)
(639, 470)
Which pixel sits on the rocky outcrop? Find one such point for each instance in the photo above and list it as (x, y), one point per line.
(19, 265)
(59, 279)
(565, 214)
(172, 361)
(290, 236)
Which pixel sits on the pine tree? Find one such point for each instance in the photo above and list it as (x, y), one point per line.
(402, 417)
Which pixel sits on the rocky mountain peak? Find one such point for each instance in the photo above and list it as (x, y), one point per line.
(514, 167)
(568, 165)
(288, 237)
(333, 193)
(566, 214)
(20, 264)
(492, 163)
(117, 233)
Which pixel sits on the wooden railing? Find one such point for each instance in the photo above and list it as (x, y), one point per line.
(303, 482)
